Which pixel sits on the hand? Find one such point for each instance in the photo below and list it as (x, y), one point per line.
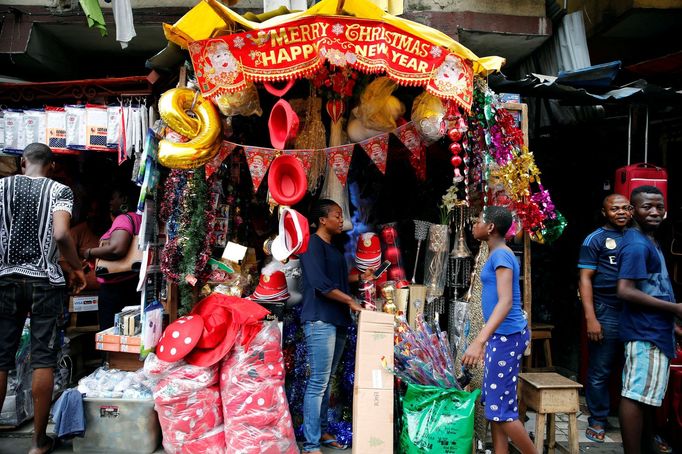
(354, 306)
(77, 281)
(368, 275)
(594, 331)
(473, 356)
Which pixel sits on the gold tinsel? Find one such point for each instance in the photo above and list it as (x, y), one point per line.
(517, 175)
(476, 325)
(313, 137)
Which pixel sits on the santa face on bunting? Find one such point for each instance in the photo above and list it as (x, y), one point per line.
(378, 155)
(452, 79)
(224, 67)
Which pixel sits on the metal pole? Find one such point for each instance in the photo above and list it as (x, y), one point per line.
(629, 131)
(646, 136)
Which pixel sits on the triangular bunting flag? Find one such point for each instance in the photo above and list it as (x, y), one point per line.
(412, 140)
(214, 164)
(259, 160)
(305, 156)
(339, 159)
(377, 150)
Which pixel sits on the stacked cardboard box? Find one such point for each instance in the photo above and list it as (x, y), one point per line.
(108, 341)
(373, 390)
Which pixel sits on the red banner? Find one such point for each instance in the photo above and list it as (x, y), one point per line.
(214, 164)
(412, 140)
(259, 160)
(305, 156)
(298, 48)
(377, 150)
(339, 159)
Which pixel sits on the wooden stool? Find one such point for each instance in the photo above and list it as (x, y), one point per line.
(543, 332)
(549, 393)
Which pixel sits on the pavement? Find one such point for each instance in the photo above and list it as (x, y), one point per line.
(18, 440)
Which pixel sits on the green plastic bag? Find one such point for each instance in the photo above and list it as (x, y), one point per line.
(437, 420)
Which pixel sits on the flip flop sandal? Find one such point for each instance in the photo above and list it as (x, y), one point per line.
(595, 435)
(330, 444)
(662, 446)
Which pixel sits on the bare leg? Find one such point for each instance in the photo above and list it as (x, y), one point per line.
(517, 432)
(500, 439)
(631, 425)
(43, 383)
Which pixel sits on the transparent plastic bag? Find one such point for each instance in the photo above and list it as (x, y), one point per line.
(255, 407)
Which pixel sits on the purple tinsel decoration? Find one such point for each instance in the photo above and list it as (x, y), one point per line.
(544, 201)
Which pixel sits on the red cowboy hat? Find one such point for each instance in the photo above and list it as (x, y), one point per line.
(272, 284)
(283, 124)
(287, 181)
(224, 317)
(179, 338)
(293, 237)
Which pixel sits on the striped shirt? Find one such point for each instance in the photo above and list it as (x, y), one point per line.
(27, 244)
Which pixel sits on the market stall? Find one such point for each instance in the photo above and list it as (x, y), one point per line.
(394, 122)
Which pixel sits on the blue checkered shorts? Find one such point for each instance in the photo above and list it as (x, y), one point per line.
(503, 355)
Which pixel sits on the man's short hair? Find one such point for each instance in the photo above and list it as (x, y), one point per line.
(38, 153)
(644, 190)
(500, 216)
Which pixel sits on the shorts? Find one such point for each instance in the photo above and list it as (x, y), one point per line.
(645, 374)
(503, 355)
(20, 296)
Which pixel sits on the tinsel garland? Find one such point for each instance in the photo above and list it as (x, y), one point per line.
(185, 208)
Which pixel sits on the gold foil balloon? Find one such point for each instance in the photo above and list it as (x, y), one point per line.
(203, 131)
(427, 115)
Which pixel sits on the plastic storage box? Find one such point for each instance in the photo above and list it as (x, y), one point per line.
(111, 425)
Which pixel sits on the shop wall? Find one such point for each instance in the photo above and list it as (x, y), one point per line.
(509, 7)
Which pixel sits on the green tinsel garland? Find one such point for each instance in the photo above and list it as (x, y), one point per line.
(193, 238)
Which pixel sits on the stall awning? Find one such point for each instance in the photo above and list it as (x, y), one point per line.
(229, 51)
(542, 86)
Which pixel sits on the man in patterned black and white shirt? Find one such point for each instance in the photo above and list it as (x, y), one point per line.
(35, 213)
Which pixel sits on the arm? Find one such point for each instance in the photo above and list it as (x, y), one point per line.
(118, 246)
(368, 275)
(627, 291)
(60, 222)
(474, 353)
(594, 332)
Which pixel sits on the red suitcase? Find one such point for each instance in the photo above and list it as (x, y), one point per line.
(642, 174)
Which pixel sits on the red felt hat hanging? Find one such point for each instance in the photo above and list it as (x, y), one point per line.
(287, 180)
(283, 124)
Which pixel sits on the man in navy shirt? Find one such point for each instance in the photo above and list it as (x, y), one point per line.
(647, 319)
(598, 281)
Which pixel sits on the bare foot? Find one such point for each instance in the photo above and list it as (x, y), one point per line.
(45, 447)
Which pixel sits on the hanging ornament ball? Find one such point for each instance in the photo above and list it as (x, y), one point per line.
(455, 148)
(392, 254)
(389, 235)
(396, 273)
(456, 161)
(455, 134)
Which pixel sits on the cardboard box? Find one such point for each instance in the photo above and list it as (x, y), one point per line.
(108, 341)
(417, 302)
(83, 303)
(124, 348)
(107, 336)
(108, 347)
(373, 421)
(375, 343)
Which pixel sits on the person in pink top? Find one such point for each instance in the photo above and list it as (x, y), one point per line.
(120, 290)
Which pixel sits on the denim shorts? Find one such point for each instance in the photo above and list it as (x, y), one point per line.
(20, 296)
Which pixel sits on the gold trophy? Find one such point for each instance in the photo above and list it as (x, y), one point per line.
(387, 291)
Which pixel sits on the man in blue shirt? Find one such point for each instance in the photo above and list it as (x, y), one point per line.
(647, 319)
(597, 286)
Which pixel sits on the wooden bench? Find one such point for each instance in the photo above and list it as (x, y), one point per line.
(541, 332)
(549, 393)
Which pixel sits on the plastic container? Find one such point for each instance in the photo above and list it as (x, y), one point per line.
(112, 424)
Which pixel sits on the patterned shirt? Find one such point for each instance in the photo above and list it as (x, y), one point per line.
(27, 244)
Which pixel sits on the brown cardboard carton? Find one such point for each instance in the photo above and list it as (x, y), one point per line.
(107, 346)
(417, 301)
(375, 343)
(373, 421)
(108, 336)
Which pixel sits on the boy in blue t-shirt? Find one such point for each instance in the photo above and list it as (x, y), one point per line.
(598, 280)
(505, 335)
(647, 320)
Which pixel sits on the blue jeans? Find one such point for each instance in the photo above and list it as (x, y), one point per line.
(604, 356)
(325, 345)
